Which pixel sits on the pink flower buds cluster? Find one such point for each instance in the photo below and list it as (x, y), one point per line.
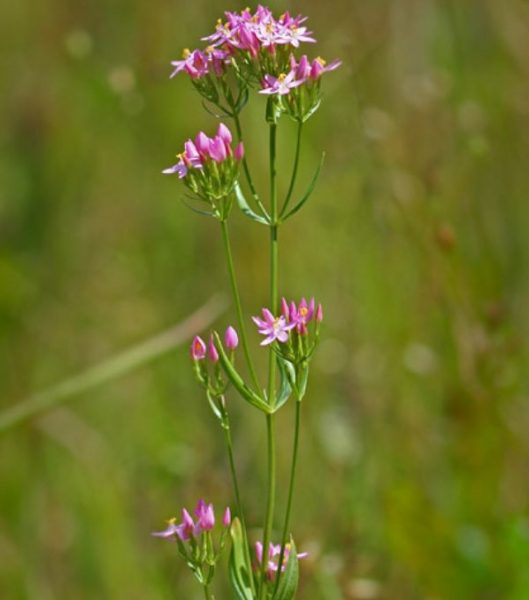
(274, 551)
(187, 528)
(296, 328)
(208, 372)
(209, 166)
(200, 552)
(199, 350)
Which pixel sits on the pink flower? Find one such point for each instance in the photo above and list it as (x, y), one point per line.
(195, 64)
(180, 169)
(320, 66)
(280, 85)
(274, 328)
(231, 339)
(273, 551)
(198, 348)
(217, 149)
(319, 314)
(206, 515)
(302, 315)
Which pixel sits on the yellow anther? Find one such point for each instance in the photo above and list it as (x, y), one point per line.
(186, 52)
(281, 77)
(322, 61)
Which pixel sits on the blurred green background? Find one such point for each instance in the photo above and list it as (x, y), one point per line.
(413, 479)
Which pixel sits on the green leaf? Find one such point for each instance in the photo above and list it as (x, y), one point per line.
(287, 376)
(214, 406)
(244, 206)
(308, 193)
(239, 570)
(288, 584)
(206, 213)
(237, 381)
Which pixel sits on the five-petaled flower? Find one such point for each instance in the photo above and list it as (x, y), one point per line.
(273, 328)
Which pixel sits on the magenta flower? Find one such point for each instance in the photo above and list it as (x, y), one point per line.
(231, 339)
(273, 551)
(319, 314)
(294, 35)
(217, 149)
(302, 315)
(274, 328)
(195, 64)
(280, 85)
(206, 516)
(320, 66)
(180, 169)
(213, 354)
(198, 348)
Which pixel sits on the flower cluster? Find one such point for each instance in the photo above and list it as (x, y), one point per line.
(209, 166)
(292, 328)
(213, 382)
(274, 550)
(194, 538)
(259, 48)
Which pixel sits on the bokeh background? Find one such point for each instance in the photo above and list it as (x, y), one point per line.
(413, 479)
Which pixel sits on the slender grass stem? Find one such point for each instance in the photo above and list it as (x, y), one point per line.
(294, 170)
(290, 489)
(270, 422)
(238, 306)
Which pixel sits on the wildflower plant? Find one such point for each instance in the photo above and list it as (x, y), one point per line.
(250, 52)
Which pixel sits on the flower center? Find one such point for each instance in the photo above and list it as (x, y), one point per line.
(186, 52)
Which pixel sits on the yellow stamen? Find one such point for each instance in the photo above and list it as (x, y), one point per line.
(186, 52)
(322, 61)
(281, 77)
(171, 521)
(303, 311)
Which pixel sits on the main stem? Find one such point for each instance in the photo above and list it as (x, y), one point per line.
(270, 424)
(290, 489)
(207, 593)
(237, 300)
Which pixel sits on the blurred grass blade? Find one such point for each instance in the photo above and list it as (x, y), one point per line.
(115, 366)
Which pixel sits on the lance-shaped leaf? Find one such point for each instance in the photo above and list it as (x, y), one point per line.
(313, 109)
(237, 381)
(288, 584)
(245, 207)
(302, 379)
(308, 193)
(287, 378)
(239, 569)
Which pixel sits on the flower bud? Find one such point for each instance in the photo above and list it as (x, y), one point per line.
(217, 149)
(319, 314)
(226, 519)
(202, 144)
(213, 355)
(198, 348)
(224, 134)
(231, 339)
(239, 151)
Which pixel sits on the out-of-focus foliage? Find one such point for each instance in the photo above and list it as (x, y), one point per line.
(415, 445)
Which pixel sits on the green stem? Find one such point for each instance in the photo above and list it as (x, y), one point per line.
(272, 363)
(246, 168)
(240, 513)
(207, 593)
(237, 300)
(290, 489)
(294, 170)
